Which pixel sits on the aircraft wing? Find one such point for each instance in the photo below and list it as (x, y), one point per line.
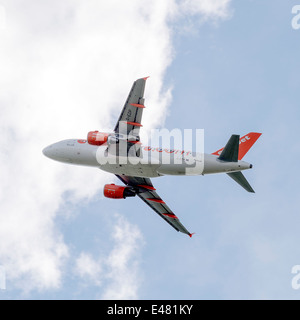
(128, 126)
(146, 192)
(130, 118)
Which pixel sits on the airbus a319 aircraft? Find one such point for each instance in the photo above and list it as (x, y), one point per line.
(120, 152)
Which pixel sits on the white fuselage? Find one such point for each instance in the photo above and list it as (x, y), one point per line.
(154, 162)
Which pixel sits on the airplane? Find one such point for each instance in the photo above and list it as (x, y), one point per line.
(120, 152)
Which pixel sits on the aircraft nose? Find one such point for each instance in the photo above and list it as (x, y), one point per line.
(48, 152)
(61, 151)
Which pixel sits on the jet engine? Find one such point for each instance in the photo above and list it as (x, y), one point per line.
(97, 138)
(117, 192)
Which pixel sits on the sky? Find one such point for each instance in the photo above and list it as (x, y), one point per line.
(225, 66)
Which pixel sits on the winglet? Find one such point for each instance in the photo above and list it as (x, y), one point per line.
(146, 78)
(191, 234)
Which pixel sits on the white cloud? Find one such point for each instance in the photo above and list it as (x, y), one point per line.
(88, 267)
(66, 68)
(209, 9)
(119, 270)
(123, 263)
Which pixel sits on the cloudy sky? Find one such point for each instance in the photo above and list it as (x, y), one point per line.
(224, 66)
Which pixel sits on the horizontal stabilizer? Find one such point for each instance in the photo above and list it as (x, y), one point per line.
(231, 151)
(241, 180)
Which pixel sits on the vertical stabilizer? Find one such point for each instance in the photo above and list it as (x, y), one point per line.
(231, 151)
(245, 143)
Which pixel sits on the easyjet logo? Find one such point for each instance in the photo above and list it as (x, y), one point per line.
(244, 139)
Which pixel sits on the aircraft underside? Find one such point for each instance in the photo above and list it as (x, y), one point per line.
(120, 152)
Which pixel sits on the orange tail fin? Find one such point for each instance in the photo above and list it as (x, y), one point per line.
(246, 142)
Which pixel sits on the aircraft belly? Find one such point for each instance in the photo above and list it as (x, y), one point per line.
(134, 170)
(172, 169)
(182, 169)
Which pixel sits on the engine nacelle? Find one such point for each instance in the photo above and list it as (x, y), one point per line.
(97, 138)
(117, 192)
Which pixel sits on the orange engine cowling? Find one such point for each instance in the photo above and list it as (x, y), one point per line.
(97, 138)
(117, 192)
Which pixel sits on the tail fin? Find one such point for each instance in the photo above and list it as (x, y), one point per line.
(246, 142)
(231, 151)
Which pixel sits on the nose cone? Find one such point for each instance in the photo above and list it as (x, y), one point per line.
(62, 151)
(48, 152)
(55, 151)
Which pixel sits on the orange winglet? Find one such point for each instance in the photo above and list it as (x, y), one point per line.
(191, 234)
(146, 78)
(156, 200)
(137, 105)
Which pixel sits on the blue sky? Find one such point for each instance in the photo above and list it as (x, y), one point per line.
(224, 66)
